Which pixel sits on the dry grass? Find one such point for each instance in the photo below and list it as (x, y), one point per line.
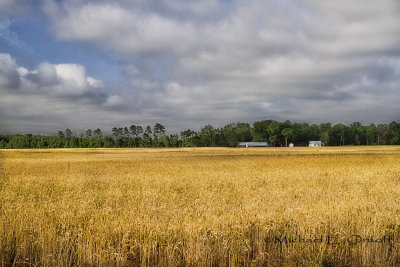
(200, 207)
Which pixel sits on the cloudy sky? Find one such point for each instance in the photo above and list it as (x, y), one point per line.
(82, 64)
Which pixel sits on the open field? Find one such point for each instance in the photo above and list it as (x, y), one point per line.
(330, 206)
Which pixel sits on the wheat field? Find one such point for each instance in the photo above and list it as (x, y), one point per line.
(330, 206)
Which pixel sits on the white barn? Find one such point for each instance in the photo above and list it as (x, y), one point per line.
(315, 143)
(253, 144)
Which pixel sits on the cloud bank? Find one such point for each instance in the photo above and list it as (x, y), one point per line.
(198, 62)
(60, 94)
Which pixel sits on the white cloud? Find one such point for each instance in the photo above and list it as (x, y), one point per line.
(114, 101)
(50, 96)
(93, 82)
(73, 78)
(49, 79)
(59, 79)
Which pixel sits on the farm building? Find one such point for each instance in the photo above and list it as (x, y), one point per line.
(253, 144)
(315, 143)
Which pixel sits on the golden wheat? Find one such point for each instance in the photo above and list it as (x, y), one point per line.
(200, 207)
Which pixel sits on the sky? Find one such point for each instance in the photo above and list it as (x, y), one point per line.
(82, 64)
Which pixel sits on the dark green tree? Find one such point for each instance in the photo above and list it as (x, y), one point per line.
(207, 136)
(159, 130)
(126, 132)
(148, 130)
(273, 130)
(97, 133)
(68, 133)
(139, 130)
(243, 132)
(88, 133)
(287, 133)
(133, 130)
(60, 134)
(260, 131)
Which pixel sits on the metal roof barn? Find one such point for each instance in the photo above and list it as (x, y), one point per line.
(315, 143)
(253, 144)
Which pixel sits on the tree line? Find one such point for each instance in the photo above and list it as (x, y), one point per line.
(274, 132)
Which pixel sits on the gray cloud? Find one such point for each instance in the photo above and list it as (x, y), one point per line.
(198, 62)
(9, 76)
